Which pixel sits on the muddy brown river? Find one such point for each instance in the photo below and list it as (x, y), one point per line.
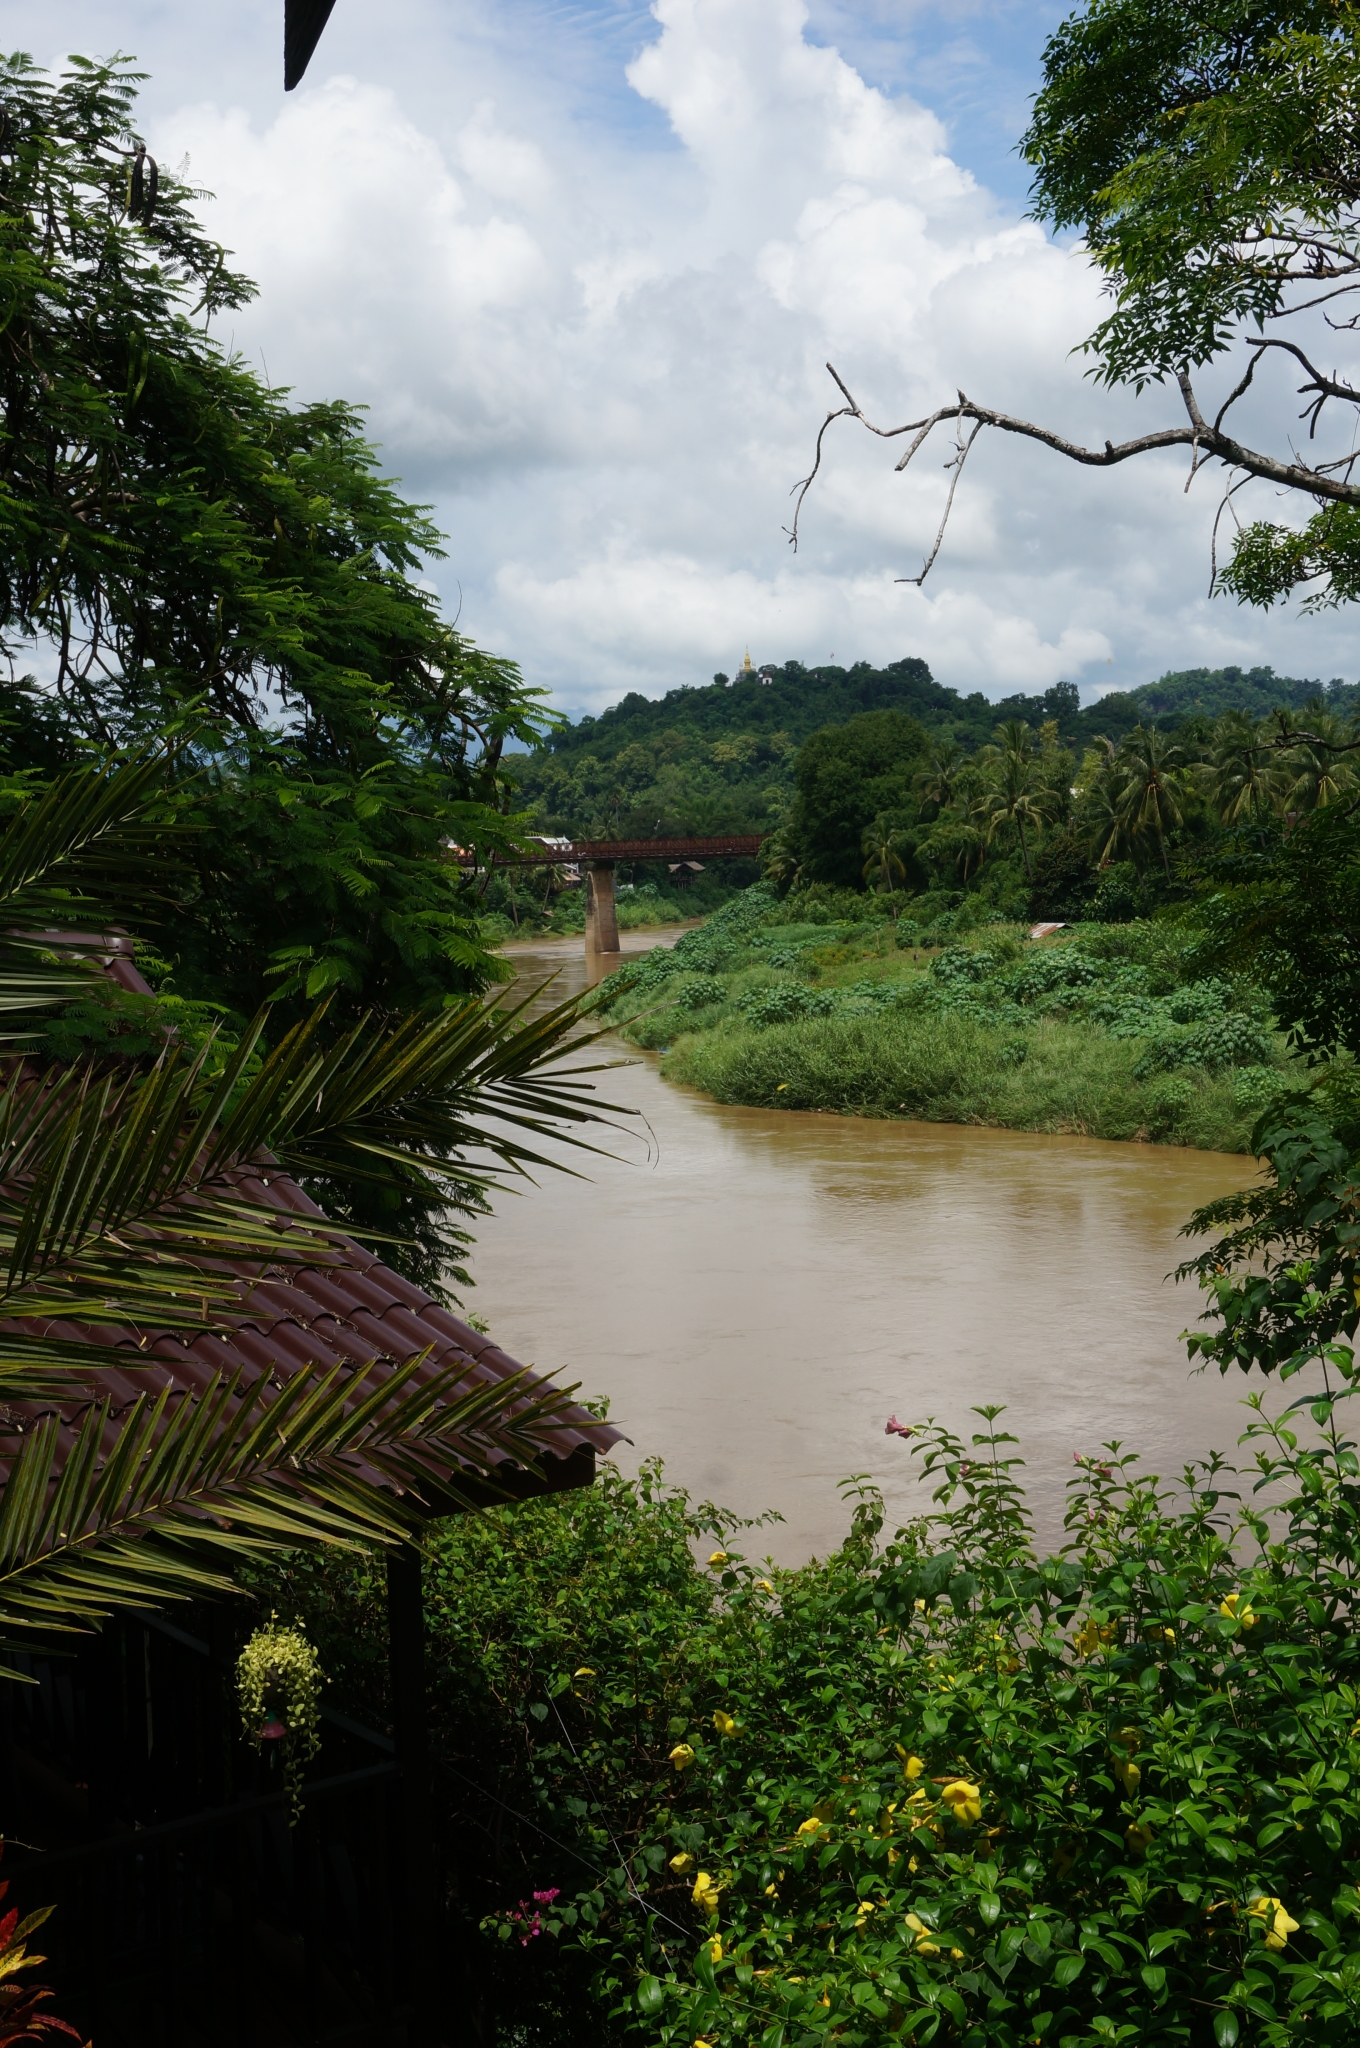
(757, 1291)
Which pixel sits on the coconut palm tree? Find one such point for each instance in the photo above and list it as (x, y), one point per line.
(1155, 784)
(882, 846)
(1315, 772)
(124, 1205)
(1243, 779)
(1099, 817)
(937, 783)
(1016, 793)
(953, 846)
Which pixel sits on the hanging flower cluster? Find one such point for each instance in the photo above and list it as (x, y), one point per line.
(278, 1684)
(528, 1916)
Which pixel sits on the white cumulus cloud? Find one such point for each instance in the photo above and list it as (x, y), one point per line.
(601, 353)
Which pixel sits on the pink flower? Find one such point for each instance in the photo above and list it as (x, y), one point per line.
(546, 1898)
(896, 1428)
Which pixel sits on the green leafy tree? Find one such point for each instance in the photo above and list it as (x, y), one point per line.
(1280, 904)
(844, 778)
(205, 558)
(207, 561)
(1283, 906)
(1208, 159)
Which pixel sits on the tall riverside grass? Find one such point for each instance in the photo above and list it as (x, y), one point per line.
(950, 1069)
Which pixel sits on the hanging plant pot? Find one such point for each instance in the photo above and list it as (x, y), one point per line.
(278, 1682)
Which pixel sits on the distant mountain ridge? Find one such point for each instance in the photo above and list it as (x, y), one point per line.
(719, 757)
(795, 701)
(1207, 692)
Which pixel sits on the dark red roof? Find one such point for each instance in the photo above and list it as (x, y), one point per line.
(357, 1314)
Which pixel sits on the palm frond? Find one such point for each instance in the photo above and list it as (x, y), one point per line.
(151, 1505)
(120, 1196)
(74, 856)
(106, 1215)
(425, 1093)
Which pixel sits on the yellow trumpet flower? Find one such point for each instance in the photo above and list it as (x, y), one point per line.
(1091, 1637)
(584, 1672)
(706, 1892)
(1233, 1611)
(809, 1826)
(718, 1557)
(1138, 1836)
(963, 1799)
(765, 1585)
(1279, 1926)
(682, 1756)
(913, 1767)
(715, 1948)
(724, 1723)
(924, 1945)
(681, 1863)
(1128, 1775)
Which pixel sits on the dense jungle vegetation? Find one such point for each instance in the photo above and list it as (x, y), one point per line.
(1111, 1031)
(721, 758)
(895, 974)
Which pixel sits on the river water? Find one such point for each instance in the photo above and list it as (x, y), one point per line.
(757, 1291)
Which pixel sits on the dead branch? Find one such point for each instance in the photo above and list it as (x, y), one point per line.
(961, 449)
(1206, 442)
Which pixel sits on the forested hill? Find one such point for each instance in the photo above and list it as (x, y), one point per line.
(719, 757)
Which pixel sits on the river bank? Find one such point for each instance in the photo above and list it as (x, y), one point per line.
(1105, 1031)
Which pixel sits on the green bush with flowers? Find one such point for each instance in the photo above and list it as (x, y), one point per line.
(932, 1789)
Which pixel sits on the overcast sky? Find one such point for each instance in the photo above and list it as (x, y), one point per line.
(584, 263)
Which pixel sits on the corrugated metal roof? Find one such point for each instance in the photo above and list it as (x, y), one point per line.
(357, 1315)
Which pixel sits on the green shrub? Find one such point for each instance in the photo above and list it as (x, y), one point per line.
(941, 1789)
(1082, 1035)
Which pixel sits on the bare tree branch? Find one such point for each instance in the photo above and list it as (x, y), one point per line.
(1206, 442)
(960, 457)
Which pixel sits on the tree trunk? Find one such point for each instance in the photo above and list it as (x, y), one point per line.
(1024, 848)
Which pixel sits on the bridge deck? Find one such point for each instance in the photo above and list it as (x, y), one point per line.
(724, 846)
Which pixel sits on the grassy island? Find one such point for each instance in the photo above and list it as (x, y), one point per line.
(1108, 1031)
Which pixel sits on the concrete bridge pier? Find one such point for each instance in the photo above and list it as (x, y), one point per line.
(602, 924)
